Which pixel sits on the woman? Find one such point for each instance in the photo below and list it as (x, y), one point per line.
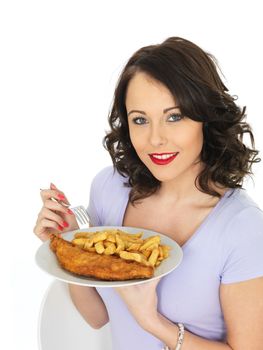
(178, 167)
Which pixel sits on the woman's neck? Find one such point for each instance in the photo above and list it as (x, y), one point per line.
(183, 190)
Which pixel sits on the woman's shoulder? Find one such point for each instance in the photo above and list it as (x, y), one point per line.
(238, 201)
(108, 195)
(237, 215)
(108, 178)
(244, 214)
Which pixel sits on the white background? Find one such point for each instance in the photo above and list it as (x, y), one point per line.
(59, 63)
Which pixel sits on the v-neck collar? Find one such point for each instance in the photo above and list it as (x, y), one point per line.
(215, 209)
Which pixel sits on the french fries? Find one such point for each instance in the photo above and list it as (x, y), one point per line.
(127, 246)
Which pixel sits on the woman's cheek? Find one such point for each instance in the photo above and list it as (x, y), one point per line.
(138, 141)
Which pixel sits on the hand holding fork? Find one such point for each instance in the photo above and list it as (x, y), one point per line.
(56, 215)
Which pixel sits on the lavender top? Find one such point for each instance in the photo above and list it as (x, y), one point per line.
(226, 248)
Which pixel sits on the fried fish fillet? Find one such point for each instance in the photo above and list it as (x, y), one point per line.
(92, 264)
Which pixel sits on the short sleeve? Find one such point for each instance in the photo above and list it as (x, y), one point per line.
(95, 208)
(243, 247)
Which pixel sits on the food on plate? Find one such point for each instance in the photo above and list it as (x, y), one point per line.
(101, 266)
(111, 254)
(128, 246)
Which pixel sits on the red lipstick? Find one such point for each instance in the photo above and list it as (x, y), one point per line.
(161, 161)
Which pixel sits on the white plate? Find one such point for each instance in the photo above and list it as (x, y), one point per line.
(47, 260)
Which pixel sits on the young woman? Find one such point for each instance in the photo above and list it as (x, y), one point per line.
(178, 167)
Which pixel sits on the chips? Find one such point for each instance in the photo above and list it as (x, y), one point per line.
(126, 245)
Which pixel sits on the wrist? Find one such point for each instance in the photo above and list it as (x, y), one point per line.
(148, 321)
(163, 329)
(151, 323)
(179, 340)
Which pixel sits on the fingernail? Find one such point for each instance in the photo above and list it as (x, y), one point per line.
(65, 224)
(61, 196)
(52, 186)
(60, 228)
(70, 212)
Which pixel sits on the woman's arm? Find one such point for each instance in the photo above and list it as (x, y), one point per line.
(51, 219)
(167, 332)
(90, 305)
(242, 305)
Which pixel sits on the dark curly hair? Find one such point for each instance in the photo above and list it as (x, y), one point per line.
(192, 77)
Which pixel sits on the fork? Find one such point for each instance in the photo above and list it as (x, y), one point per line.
(80, 213)
(81, 216)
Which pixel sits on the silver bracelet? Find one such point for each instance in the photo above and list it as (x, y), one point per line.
(180, 338)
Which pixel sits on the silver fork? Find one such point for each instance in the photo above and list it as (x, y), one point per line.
(81, 216)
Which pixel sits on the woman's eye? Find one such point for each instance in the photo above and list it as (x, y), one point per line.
(139, 120)
(175, 117)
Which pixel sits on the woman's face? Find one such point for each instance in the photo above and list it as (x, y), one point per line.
(168, 143)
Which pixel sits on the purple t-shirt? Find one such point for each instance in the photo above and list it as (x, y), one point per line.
(226, 248)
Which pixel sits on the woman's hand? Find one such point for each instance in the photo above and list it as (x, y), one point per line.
(141, 300)
(54, 217)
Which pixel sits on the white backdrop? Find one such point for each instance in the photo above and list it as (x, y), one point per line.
(59, 63)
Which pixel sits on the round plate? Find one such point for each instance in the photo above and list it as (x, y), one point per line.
(47, 260)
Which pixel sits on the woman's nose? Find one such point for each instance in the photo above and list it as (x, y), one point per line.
(157, 136)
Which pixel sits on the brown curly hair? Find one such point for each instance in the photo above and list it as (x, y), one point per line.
(192, 77)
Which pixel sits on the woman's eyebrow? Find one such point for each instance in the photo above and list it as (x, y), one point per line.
(142, 112)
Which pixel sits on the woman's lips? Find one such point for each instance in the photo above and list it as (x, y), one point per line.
(160, 161)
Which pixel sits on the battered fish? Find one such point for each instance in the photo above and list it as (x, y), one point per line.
(92, 264)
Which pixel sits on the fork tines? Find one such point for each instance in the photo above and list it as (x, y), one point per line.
(81, 215)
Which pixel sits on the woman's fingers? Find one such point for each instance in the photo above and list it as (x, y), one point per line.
(48, 194)
(46, 223)
(53, 216)
(53, 193)
(45, 227)
(54, 187)
(57, 206)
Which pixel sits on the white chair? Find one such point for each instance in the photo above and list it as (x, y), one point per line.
(61, 327)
